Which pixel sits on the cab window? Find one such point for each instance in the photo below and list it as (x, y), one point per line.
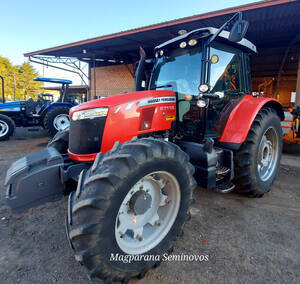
(225, 74)
(226, 77)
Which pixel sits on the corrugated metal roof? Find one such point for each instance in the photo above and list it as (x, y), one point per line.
(272, 22)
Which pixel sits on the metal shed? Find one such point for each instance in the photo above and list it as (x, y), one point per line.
(274, 29)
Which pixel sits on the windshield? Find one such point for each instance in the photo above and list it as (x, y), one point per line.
(178, 70)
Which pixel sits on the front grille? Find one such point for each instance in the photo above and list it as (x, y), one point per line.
(86, 135)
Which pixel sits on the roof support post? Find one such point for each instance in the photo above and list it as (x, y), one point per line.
(297, 103)
(94, 77)
(293, 41)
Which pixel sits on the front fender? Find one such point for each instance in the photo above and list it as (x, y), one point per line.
(242, 117)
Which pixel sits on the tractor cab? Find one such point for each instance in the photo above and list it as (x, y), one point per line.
(206, 75)
(64, 94)
(41, 105)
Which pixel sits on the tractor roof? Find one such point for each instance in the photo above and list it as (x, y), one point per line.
(206, 32)
(53, 80)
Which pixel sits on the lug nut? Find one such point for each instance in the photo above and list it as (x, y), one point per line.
(122, 236)
(140, 239)
(157, 223)
(168, 202)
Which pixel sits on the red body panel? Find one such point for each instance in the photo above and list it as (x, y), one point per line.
(125, 113)
(128, 114)
(242, 117)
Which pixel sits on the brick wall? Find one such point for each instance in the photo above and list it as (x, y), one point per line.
(111, 80)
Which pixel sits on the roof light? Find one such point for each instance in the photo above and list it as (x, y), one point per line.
(182, 44)
(192, 42)
(181, 32)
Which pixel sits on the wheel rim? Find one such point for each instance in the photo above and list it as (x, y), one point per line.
(61, 122)
(147, 213)
(267, 154)
(3, 128)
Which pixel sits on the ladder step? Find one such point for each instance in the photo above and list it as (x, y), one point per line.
(222, 171)
(225, 187)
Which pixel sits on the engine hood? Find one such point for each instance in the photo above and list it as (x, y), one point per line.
(10, 106)
(116, 100)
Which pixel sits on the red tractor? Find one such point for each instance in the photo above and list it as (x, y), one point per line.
(136, 157)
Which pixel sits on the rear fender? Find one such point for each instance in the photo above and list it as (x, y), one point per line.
(242, 117)
(58, 104)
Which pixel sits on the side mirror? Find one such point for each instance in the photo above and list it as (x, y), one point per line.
(238, 30)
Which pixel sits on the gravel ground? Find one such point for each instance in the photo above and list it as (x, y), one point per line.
(247, 240)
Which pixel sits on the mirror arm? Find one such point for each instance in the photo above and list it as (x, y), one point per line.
(238, 14)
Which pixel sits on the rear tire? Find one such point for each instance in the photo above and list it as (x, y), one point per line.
(56, 119)
(7, 127)
(257, 161)
(95, 209)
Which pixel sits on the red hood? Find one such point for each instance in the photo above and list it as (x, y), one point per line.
(121, 99)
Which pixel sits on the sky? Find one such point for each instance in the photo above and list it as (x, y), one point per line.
(30, 25)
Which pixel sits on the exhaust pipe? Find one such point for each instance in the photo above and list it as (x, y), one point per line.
(3, 97)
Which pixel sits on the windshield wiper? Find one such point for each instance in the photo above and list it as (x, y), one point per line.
(164, 86)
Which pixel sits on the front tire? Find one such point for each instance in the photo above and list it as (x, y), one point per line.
(115, 209)
(257, 161)
(56, 120)
(7, 127)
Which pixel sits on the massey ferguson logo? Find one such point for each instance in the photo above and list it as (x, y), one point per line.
(155, 101)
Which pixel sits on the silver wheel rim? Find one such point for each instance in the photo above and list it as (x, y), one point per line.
(138, 233)
(3, 128)
(61, 122)
(267, 154)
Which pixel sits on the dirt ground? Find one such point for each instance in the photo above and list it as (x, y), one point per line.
(247, 240)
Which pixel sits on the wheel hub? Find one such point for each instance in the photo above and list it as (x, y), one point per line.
(147, 213)
(61, 122)
(140, 202)
(3, 128)
(267, 154)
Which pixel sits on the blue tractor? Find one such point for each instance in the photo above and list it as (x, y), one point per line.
(53, 116)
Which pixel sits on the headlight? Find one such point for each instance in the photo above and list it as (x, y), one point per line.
(90, 113)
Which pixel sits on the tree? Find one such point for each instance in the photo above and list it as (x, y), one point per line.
(18, 80)
(26, 84)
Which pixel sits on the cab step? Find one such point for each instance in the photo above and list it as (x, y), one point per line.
(225, 187)
(222, 171)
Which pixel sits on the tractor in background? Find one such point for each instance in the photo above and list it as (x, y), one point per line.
(137, 157)
(45, 112)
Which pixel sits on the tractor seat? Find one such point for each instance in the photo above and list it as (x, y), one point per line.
(30, 107)
(39, 106)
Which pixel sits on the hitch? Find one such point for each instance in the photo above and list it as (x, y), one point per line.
(34, 179)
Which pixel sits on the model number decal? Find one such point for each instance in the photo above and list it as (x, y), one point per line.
(155, 101)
